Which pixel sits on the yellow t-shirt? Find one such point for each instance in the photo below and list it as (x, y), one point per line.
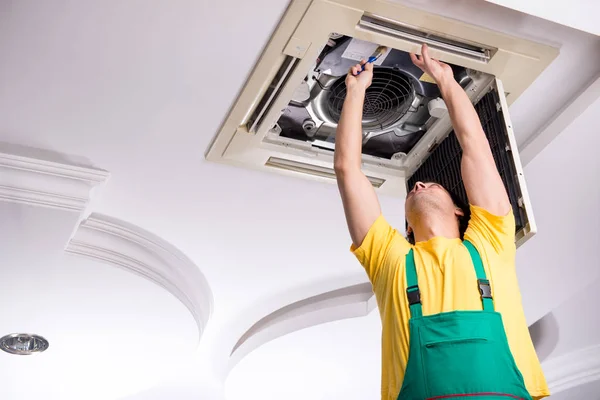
(447, 282)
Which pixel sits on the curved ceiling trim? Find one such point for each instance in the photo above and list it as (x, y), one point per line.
(347, 302)
(43, 178)
(573, 369)
(124, 245)
(545, 334)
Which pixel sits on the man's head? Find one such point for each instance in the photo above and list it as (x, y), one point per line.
(429, 202)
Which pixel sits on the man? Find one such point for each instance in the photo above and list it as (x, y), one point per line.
(453, 324)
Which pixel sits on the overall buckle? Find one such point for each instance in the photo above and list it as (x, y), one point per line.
(485, 290)
(413, 294)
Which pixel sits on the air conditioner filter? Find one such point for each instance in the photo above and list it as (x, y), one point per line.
(443, 165)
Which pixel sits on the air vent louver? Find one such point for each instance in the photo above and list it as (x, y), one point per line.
(275, 87)
(314, 170)
(385, 26)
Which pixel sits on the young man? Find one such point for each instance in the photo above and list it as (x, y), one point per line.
(453, 323)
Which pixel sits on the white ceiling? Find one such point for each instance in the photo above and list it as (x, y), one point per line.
(564, 189)
(587, 391)
(139, 88)
(576, 316)
(92, 315)
(561, 12)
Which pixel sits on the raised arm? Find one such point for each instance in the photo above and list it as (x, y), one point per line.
(361, 205)
(481, 178)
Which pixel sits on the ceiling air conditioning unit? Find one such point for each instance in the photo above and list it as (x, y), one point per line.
(285, 117)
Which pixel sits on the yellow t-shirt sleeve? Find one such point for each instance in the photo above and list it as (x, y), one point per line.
(497, 230)
(374, 248)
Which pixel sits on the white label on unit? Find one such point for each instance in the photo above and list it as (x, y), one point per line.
(361, 49)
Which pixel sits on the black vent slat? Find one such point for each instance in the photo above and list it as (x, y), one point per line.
(443, 165)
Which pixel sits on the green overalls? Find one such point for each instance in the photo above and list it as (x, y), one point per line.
(459, 354)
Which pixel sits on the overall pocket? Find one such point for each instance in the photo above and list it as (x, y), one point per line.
(459, 357)
(440, 343)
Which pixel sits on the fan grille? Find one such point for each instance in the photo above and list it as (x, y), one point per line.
(386, 101)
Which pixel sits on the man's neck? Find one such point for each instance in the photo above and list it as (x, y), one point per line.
(430, 226)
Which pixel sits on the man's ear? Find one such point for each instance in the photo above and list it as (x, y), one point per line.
(409, 230)
(459, 212)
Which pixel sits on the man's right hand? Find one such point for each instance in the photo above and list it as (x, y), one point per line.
(361, 81)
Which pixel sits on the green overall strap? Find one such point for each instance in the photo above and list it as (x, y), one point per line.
(412, 286)
(485, 289)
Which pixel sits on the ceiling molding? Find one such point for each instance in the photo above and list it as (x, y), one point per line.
(124, 245)
(35, 181)
(347, 302)
(573, 369)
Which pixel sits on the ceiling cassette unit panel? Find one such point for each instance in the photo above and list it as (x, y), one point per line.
(285, 118)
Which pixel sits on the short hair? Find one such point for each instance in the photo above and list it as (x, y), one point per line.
(463, 221)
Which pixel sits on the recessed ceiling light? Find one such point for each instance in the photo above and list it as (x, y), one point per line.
(23, 343)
